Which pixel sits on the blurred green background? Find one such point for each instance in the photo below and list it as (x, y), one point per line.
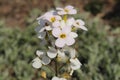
(98, 49)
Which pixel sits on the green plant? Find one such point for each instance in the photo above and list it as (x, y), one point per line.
(99, 52)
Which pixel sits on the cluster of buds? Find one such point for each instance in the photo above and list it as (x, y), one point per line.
(58, 30)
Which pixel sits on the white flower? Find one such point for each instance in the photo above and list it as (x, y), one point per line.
(48, 20)
(70, 21)
(45, 60)
(44, 23)
(66, 53)
(71, 72)
(75, 64)
(41, 30)
(57, 78)
(67, 10)
(42, 59)
(62, 56)
(52, 18)
(64, 36)
(45, 15)
(62, 23)
(80, 24)
(52, 52)
(70, 52)
(39, 53)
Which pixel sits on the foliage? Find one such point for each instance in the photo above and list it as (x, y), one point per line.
(94, 6)
(99, 52)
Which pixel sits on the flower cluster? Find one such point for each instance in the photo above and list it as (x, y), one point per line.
(58, 30)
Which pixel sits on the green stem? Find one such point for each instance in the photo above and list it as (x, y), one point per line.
(56, 67)
(65, 18)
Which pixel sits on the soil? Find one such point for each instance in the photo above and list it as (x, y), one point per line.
(14, 12)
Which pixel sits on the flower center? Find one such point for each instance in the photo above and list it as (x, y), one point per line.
(66, 10)
(73, 28)
(62, 35)
(53, 19)
(77, 23)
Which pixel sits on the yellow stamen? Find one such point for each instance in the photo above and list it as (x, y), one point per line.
(77, 23)
(66, 75)
(73, 28)
(59, 59)
(63, 36)
(43, 74)
(66, 10)
(53, 19)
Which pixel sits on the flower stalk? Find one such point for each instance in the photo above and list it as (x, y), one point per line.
(56, 31)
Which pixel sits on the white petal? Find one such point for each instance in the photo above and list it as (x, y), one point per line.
(47, 14)
(56, 32)
(42, 22)
(75, 64)
(58, 17)
(69, 7)
(48, 17)
(55, 78)
(81, 22)
(41, 35)
(59, 8)
(74, 11)
(62, 24)
(60, 42)
(78, 23)
(62, 57)
(73, 34)
(53, 12)
(61, 12)
(72, 53)
(63, 79)
(39, 29)
(39, 18)
(48, 28)
(61, 53)
(37, 63)
(66, 29)
(56, 24)
(70, 21)
(71, 72)
(83, 27)
(39, 53)
(45, 60)
(69, 41)
(52, 52)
